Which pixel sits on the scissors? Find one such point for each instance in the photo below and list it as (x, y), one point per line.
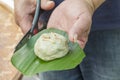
(34, 27)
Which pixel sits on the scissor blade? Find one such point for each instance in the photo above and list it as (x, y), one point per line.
(23, 41)
(30, 32)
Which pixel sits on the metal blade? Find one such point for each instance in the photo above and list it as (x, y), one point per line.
(23, 41)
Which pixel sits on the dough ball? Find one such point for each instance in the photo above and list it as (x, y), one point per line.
(50, 46)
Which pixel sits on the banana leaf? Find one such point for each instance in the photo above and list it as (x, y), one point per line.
(29, 64)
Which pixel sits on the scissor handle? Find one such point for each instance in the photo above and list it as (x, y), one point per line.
(36, 16)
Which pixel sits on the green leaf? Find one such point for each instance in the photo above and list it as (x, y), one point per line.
(28, 63)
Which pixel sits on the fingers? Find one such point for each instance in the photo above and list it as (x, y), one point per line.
(81, 29)
(24, 12)
(47, 4)
(26, 23)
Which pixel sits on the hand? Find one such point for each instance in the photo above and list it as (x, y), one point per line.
(24, 12)
(74, 17)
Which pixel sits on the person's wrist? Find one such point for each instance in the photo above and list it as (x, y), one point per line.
(97, 3)
(94, 4)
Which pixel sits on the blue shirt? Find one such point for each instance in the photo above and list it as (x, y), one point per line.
(107, 16)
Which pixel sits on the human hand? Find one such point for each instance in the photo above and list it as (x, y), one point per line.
(24, 12)
(74, 17)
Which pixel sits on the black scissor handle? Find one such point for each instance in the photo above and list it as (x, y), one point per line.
(36, 17)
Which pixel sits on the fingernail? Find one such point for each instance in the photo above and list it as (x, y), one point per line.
(75, 37)
(49, 2)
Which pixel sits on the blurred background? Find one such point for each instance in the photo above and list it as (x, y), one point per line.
(10, 34)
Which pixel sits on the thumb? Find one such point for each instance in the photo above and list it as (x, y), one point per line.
(80, 30)
(47, 4)
(76, 36)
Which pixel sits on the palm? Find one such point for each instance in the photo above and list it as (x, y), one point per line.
(72, 17)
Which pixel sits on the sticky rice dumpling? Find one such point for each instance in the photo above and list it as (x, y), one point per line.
(50, 46)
